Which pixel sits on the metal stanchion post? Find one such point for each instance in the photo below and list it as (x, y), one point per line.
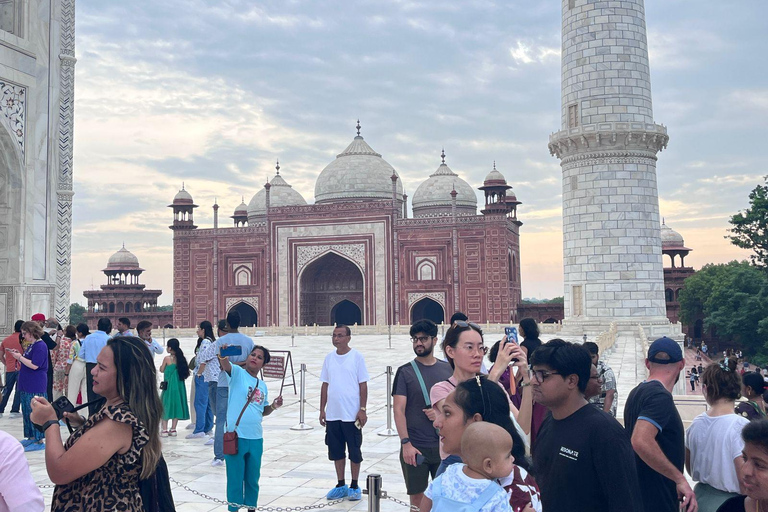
(389, 336)
(293, 333)
(302, 399)
(373, 485)
(389, 432)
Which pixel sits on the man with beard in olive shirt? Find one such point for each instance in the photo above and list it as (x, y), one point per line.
(582, 455)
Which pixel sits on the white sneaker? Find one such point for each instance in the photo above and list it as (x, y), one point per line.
(209, 433)
(15, 415)
(210, 442)
(217, 462)
(190, 426)
(199, 435)
(1, 415)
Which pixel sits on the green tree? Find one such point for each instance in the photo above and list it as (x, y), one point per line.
(750, 227)
(76, 314)
(733, 298)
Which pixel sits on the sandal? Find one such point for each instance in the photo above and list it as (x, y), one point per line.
(172, 432)
(163, 433)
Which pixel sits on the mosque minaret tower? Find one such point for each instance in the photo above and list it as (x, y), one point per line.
(607, 146)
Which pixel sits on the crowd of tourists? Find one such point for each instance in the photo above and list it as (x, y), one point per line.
(535, 432)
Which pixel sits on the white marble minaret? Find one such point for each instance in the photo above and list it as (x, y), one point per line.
(607, 147)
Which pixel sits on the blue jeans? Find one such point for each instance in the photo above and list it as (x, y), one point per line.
(203, 411)
(30, 432)
(10, 382)
(222, 397)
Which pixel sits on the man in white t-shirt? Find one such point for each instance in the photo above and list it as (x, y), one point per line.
(343, 397)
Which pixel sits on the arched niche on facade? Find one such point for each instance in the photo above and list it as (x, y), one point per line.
(426, 271)
(346, 312)
(324, 283)
(427, 309)
(248, 316)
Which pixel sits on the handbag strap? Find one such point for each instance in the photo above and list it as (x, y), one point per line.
(247, 401)
(421, 383)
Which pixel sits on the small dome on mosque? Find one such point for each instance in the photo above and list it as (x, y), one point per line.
(357, 174)
(280, 194)
(670, 237)
(433, 197)
(182, 197)
(494, 176)
(241, 210)
(123, 259)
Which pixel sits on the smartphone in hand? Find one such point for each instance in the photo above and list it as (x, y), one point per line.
(511, 335)
(232, 350)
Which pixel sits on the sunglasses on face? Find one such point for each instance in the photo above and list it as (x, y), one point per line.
(420, 339)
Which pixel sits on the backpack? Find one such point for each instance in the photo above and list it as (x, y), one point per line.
(442, 504)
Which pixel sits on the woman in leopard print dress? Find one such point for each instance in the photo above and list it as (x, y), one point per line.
(100, 465)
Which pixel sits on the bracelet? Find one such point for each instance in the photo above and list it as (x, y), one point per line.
(525, 384)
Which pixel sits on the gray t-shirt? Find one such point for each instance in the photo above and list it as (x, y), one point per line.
(233, 338)
(420, 430)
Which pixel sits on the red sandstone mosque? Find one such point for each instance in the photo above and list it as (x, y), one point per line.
(354, 256)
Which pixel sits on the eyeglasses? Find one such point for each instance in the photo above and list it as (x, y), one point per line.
(472, 348)
(472, 325)
(420, 339)
(540, 375)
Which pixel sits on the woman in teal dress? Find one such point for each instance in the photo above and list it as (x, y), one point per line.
(175, 371)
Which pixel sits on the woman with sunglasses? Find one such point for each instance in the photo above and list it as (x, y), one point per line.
(479, 399)
(464, 348)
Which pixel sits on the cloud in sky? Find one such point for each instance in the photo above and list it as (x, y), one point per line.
(212, 93)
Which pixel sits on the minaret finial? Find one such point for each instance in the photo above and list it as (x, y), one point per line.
(494, 165)
(442, 155)
(358, 127)
(123, 244)
(663, 221)
(182, 185)
(277, 167)
(242, 199)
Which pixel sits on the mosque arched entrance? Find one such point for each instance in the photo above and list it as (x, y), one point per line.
(248, 315)
(331, 287)
(11, 189)
(427, 309)
(346, 312)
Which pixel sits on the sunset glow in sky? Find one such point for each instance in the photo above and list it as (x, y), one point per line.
(211, 93)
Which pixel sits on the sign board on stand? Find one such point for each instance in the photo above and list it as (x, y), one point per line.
(279, 362)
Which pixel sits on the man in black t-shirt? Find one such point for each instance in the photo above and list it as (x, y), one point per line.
(657, 433)
(582, 456)
(413, 412)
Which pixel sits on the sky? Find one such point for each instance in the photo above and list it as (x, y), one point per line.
(211, 93)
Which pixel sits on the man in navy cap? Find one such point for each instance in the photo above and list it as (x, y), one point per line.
(657, 433)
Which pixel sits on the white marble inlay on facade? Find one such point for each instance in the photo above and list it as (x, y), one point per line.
(308, 253)
(414, 297)
(251, 301)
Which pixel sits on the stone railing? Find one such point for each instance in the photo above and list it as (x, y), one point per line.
(606, 340)
(491, 329)
(644, 341)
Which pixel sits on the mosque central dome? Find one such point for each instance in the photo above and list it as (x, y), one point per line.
(123, 259)
(358, 173)
(433, 197)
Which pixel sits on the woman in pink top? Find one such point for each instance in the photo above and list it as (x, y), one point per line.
(464, 348)
(60, 356)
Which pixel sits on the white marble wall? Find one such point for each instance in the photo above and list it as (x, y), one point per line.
(29, 60)
(611, 225)
(605, 61)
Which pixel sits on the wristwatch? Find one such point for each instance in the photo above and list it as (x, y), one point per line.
(363, 409)
(405, 440)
